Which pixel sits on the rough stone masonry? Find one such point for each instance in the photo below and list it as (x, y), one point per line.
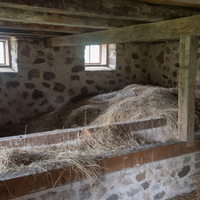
(153, 181)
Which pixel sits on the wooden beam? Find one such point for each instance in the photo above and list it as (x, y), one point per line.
(171, 29)
(26, 184)
(65, 135)
(43, 27)
(186, 90)
(42, 34)
(21, 15)
(112, 9)
(185, 3)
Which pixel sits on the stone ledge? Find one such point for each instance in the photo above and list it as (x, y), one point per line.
(98, 68)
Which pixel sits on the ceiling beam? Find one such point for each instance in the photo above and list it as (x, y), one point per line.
(44, 27)
(43, 34)
(171, 29)
(21, 15)
(112, 9)
(185, 3)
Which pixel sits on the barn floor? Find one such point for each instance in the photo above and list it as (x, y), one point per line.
(190, 196)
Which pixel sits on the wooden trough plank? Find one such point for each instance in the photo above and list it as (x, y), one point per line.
(65, 135)
(36, 182)
(165, 30)
(186, 90)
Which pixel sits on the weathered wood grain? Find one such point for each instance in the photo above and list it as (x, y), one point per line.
(82, 16)
(111, 9)
(65, 135)
(171, 29)
(186, 90)
(186, 3)
(43, 27)
(42, 34)
(26, 16)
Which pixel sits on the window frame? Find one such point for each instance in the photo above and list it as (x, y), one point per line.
(100, 57)
(7, 53)
(12, 55)
(111, 59)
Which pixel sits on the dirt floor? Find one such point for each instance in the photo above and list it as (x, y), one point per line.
(190, 196)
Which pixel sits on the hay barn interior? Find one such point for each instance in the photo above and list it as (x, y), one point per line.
(100, 100)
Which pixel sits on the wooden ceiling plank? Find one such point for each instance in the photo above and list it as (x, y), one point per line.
(185, 3)
(112, 9)
(37, 34)
(19, 15)
(43, 27)
(11, 32)
(171, 29)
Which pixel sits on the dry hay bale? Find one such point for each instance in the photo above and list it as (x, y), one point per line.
(149, 102)
(55, 119)
(131, 103)
(83, 116)
(108, 140)
(83, 156)
(45, 158)
(83, 112)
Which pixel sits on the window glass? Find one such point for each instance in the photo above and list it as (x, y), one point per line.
(2, 53)
(96, 54)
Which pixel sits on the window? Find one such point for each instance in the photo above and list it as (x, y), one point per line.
(8, 55)
(100, 57)
(4, 53)
(96, 55)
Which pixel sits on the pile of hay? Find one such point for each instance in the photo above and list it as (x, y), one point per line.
(131, 103)
(83, 156)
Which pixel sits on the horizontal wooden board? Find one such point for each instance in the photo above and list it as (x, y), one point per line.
(65, 135)
(171, 29)
(43, 27)
(186, 3)
(26, 16)
(111, 9)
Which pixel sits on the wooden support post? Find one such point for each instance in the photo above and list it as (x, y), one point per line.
(186, 90)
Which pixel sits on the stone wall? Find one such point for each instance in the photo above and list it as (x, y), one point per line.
(164, 66)
(152, 181)
(48, 77)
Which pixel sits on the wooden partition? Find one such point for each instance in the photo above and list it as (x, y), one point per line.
(186, 90)
(22, 185)
(65, 135)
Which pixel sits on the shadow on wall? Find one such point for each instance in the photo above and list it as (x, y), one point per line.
(48, 77)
